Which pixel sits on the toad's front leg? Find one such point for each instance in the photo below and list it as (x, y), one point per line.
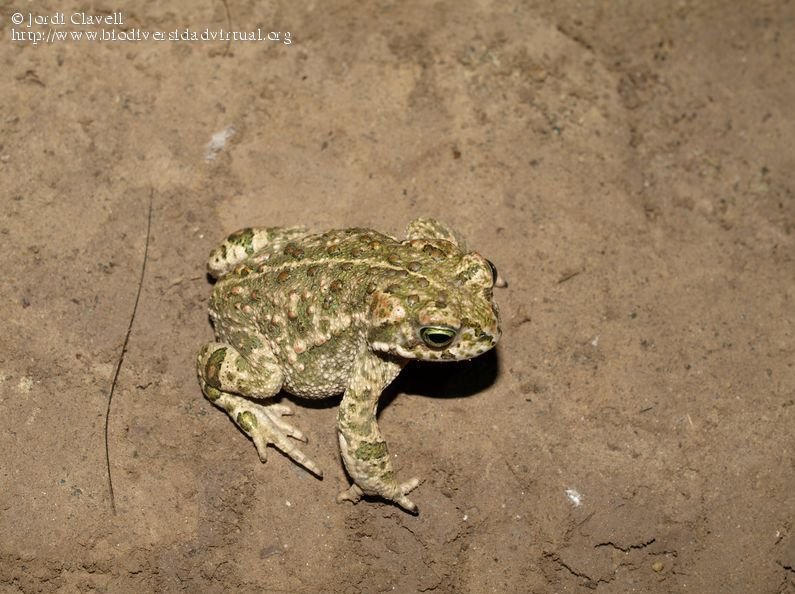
(363, 448)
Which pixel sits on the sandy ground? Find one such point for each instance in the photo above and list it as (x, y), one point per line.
(627, 166)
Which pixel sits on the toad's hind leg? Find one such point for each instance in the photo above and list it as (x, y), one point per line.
(226, 376)
(244, 243)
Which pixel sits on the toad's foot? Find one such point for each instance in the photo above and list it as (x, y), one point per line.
(264, 424)
(394, 492)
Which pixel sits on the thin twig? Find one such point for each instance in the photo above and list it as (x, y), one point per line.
(569, 274)
(124, 350)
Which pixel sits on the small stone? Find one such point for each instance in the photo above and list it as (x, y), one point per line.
(657, 566)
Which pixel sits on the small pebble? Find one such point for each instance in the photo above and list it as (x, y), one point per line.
(657, 566)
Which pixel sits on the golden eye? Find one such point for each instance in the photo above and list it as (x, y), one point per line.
(437, 337)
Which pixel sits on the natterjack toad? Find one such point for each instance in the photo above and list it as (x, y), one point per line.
(340, 312)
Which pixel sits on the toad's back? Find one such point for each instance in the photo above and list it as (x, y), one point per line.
(307, 300)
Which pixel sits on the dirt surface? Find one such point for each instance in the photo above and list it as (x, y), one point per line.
(627, 166)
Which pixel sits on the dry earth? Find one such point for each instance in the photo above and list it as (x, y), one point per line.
(628, 166)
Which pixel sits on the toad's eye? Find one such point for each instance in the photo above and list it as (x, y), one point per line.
(494, 274)
(437, 337)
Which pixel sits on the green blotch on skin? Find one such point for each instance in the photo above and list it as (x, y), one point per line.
(246, 420)
(475, 328)
(365, 394)
(370, 450)
(246, 343)
(212, 394)
(469, 273)
(241, 364)
(244, 238)
(212, 370)
(346, 413)
(352, 427)
(488, 340)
